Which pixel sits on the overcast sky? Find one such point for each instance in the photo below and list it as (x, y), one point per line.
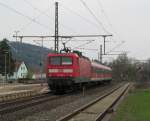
(127, 20)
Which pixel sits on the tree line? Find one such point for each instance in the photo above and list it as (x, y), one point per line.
(7, 63)
(130, 69)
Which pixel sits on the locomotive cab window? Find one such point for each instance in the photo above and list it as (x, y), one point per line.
(55, 60)
(66, 61)
(60, 60)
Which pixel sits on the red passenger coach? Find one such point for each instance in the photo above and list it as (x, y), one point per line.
(100, 72)
(67, 70)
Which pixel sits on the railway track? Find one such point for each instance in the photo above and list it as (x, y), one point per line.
(97, 109)
(16, 105)
(21, 103)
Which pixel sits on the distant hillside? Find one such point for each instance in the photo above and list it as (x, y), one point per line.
(30, 54)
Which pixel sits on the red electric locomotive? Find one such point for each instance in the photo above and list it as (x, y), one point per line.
(67, 70)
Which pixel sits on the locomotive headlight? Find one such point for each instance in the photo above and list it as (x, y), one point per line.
(67, 70)
(53, 70)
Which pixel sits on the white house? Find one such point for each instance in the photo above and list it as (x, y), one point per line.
(1, 78)
(21, 71)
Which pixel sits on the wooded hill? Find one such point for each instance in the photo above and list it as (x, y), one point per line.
(33, 56)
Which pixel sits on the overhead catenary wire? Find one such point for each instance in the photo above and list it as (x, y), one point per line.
(74, 40)
(107, 19)
(80, 16)
(94, 16)
(104, 13)
(83, 44)
(48, 16)
(112, 27)
(25, 16)
(35, 18)
(87, 49)
(63, 36)
(35, 8)
(114, 48)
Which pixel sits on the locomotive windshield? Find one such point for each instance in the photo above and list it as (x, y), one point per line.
(58, 60)
(66, 61)
(55, 60)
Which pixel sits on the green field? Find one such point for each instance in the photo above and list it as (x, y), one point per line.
(136, 107)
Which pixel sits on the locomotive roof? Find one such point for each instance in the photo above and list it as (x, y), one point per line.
(63, 54)
(95, 64)
(68, 54)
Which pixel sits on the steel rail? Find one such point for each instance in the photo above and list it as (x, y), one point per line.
(76, 112)
(102, 115)
(22, 99)
(16, 105)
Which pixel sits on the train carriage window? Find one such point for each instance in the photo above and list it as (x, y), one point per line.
(66, 61)
(55, 60)
(104, 71)
(100, 71)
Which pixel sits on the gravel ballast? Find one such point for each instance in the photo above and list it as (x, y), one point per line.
(53, 110)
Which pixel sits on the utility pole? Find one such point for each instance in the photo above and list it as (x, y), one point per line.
(5, 66)
(17, 48)
(104, 36)
(9, 70)
(41, 56)
(56, 29)
(21, 39)
(98, 56)
(16, 33)
(41, 63)
(101, 54)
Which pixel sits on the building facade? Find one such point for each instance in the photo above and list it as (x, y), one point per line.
(21, 71)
